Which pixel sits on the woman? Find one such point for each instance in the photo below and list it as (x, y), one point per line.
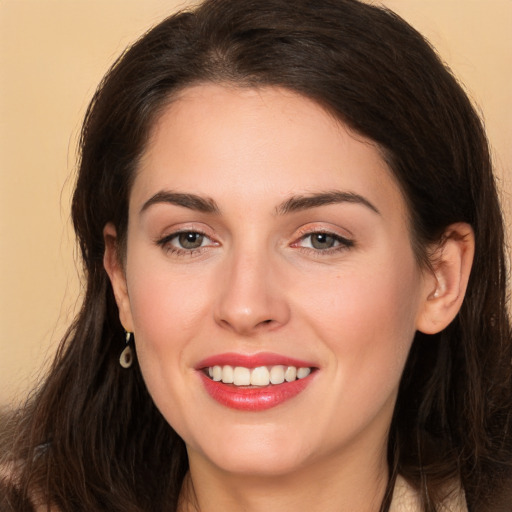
(295, 279)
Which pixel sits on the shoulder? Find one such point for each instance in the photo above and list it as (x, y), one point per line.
(406, 499)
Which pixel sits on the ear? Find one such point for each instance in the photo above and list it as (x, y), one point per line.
(115, 270)
(447, 280)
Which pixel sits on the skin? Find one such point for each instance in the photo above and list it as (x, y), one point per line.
(257, 284)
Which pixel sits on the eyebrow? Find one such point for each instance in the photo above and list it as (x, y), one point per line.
(305, 202)
(293, 204)
(191, 201)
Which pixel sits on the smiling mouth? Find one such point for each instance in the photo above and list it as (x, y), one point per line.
(261, 376)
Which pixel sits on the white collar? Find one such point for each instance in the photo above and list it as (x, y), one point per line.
(406, 499)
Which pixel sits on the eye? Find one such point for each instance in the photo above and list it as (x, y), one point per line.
(323, 242)
(185, 242)
(188, 240)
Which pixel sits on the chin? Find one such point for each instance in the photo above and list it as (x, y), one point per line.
(258, 452)
(260, 465)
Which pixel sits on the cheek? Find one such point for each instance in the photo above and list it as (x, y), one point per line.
(166, 307)
(168, 315)
(367, 316)
(368, 296)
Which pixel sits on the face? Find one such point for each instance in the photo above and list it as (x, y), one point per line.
(264, 235)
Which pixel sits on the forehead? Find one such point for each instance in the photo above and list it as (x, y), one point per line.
(227, 141)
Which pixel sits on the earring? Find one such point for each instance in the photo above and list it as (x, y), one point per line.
(126, 357)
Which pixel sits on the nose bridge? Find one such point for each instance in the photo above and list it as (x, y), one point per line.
(249, 296)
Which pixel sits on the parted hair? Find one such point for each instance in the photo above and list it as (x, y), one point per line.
(90, 437)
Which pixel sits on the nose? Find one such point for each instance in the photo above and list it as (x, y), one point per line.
(251, 296)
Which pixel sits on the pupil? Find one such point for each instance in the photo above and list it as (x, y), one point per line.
(190, 240)
(322, 241)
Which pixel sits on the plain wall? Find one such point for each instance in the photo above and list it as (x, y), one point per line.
(53, 53)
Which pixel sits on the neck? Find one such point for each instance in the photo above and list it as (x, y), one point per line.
(340, 484)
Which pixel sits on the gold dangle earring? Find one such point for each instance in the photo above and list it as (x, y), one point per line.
(126, 357)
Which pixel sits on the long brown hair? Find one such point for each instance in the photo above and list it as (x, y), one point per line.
(91, 438)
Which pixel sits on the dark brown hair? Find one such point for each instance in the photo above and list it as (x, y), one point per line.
(91, 438)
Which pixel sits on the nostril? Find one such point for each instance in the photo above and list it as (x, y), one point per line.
(264, 323)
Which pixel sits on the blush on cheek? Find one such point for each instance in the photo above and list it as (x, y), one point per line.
(158, 302)
(376, 316)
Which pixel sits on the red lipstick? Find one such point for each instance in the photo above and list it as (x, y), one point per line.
(252, 361)
(253, 398)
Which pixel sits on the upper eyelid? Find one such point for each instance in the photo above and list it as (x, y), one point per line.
(342, 239)
(167, 238)
(329, 233)
(173, 231)
(311, 230)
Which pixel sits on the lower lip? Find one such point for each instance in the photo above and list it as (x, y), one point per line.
(254, 399)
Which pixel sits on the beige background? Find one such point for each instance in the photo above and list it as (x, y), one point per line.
(52, 55)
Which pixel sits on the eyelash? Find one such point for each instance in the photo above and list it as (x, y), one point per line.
(343, 243)
(165, 243)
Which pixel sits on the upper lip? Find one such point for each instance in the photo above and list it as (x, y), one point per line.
(252, 360)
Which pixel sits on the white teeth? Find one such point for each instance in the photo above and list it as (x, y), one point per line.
(290, 374)
(303, 372)
(277, 374)
(227, 374)
(260, 376)
(241, 376)
(217, 373)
